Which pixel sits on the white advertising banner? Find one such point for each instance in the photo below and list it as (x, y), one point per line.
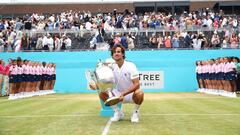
(151, 79)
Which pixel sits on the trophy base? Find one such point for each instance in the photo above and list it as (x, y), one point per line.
(111, 101)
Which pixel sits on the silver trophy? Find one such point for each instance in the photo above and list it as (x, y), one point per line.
(104, 78)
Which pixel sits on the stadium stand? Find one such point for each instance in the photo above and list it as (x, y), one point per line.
(80, 28)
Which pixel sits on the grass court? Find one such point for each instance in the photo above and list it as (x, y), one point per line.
(160, 114)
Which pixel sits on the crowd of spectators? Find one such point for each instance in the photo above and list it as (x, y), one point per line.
(81, 30)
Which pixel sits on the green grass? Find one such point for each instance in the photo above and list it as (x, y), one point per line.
(161, 114)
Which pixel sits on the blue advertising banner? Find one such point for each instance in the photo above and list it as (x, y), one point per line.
(160, 70)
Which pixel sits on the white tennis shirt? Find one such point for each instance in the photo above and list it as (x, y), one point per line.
(124, 75)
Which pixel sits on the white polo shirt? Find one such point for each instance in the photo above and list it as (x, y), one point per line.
(124, 75)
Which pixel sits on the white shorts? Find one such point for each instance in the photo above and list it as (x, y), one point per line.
(127, 99)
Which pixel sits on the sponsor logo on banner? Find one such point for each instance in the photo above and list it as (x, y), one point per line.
(151, 79)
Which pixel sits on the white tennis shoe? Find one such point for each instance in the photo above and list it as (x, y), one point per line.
(135, 117)
(118, 115)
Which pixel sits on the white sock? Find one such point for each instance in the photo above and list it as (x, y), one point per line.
(136, 108)
(115, 108)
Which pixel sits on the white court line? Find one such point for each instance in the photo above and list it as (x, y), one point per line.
(106, 128)
(47, 115)
(93, 99)
(192, 114)
(148, 114)
(88, 99)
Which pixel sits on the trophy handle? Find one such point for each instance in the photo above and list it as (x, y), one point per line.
(90, 76)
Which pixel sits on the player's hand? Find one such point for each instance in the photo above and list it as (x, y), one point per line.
(93, 85)
(121, 97)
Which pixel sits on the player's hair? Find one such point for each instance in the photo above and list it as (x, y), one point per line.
(122, 49)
